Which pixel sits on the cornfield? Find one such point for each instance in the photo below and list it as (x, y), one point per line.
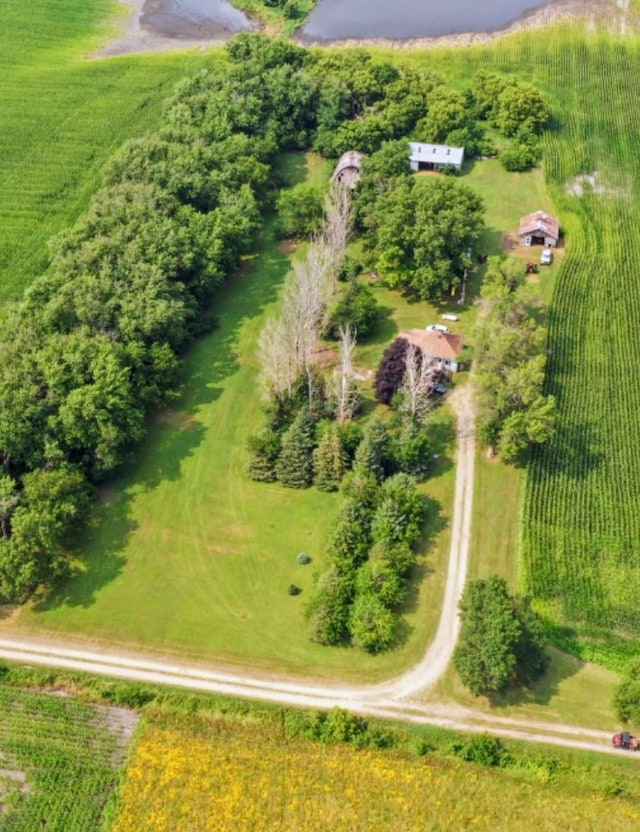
(59, 761)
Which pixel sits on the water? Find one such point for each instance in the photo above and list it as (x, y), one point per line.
(340, 19)
(193, 18)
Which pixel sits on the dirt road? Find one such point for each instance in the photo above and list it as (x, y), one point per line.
(388, 700)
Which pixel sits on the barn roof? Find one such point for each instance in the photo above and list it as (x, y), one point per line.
(444, 346)
(350, 159)
(437, 154)
(540, 222)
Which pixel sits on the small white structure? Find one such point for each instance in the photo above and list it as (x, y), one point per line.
(435, 156)
(539, 229)
(348, 169)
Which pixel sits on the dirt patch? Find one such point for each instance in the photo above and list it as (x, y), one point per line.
(12, 780)
(325, 357)
(140, 34)
(287, 247)
(177, 419)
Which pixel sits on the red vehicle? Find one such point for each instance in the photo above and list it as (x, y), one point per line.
(626, 741)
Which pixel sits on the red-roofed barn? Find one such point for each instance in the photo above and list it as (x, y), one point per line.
(539, 229)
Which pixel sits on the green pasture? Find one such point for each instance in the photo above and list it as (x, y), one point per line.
(63, 113)
(186, 553)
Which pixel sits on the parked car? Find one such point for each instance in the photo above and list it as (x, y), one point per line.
(437, 328)
(448, 317)
(626, 741)
(546, 258)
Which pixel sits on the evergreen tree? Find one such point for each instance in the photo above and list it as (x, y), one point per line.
(372, 455)
(329, 460)
(501, 639)
(264, 448)
(328, 612)
(351, 537)
(371, 624)
(294, 468)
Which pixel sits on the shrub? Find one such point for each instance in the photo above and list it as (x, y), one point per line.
(300, 210)
(294, 590)
(520, 157)
(371, 624)
(484, 750)
(303, 558)
(356, 308)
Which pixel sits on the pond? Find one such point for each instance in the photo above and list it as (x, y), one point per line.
(193, 18)
(402, 19)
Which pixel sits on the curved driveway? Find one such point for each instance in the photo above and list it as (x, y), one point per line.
(391, 700)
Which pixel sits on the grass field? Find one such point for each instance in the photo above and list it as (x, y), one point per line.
(187, 553)
(59, 761)
(62, 115)
(213, 774)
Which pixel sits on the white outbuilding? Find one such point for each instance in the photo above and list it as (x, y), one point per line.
(435, 156)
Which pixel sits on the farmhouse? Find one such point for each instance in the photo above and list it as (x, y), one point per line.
(440, 348)
(435, 156)
(348, 168)
(539, 229)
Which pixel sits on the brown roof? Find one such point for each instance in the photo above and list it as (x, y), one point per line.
(540, 222)
(441, 345)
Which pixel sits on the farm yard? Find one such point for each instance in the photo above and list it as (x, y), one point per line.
(59, 760)
(184, 554)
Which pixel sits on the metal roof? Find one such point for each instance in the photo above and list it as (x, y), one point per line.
(538, 222)
(437, 154)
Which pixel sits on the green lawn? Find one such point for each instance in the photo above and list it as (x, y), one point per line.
(187, 554)
(62, 116)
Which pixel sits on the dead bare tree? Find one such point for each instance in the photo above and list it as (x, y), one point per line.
(344, 391)
(287, 342)
(415, 393)
(338, 223)
(278, 371)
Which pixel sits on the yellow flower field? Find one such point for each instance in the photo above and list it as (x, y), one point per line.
(215, 775)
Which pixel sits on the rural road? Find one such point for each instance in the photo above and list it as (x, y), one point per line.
(390, 700)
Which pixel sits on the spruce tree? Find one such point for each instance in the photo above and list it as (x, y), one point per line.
(264, 449)
(294, 468)
(373, 452)
(329, 460)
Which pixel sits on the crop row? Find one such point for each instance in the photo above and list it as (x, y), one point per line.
(581, 526)
(66, 752)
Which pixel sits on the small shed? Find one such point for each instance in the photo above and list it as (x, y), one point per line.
(440, 348)
(539, 229)
(435, 156)
(348, 169)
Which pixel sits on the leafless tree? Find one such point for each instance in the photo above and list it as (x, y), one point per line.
(415, 393)
(286, 343)
(344, 391)
(338, 224)
(278, 372)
